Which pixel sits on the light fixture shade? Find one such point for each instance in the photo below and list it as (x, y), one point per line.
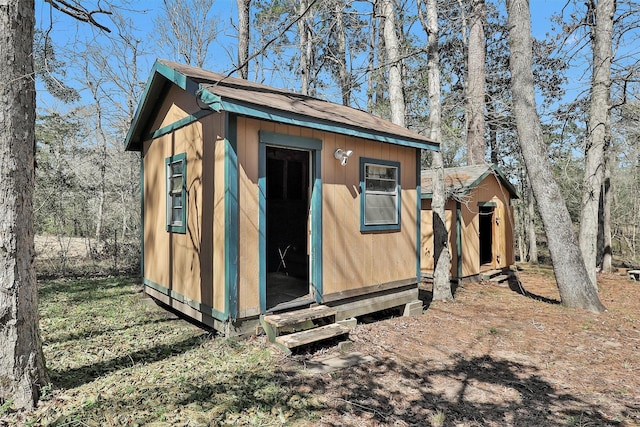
(342, 155)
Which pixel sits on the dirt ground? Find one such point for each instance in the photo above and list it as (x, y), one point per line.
(492, 357)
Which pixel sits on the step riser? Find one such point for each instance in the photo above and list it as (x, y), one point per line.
(321, 333)
(299, 321)
(292, 318)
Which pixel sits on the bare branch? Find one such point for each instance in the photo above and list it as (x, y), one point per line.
(78, 12)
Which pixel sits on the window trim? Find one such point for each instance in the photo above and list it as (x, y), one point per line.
(364, 161)
(175, 227)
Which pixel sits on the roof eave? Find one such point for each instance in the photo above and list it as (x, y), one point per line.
(161, 73)
(264, 112)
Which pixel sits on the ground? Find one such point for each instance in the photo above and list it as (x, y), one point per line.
(492, 357)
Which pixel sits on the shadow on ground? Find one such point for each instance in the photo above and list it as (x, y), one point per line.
(462, 393)
(516, 286)
(76, 377)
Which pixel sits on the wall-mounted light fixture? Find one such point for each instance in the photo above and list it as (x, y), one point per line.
(342, 155)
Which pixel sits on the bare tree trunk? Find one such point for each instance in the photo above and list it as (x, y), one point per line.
(22, 368)
(341, 41)
(372, 57)
(493, 134)
(571, 275)
(441, 254)
(306, 48)
(94, 87)
(607, 250)
(476, 84)
(531, 227)
(394, 62)
(601, 38)
(380, 90)
(244, 7)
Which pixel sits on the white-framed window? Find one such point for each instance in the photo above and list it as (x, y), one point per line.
(176, 167)
(380, 198)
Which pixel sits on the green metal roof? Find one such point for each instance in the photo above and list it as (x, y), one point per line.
(218, 92)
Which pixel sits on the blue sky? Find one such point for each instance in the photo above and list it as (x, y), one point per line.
(65, 31)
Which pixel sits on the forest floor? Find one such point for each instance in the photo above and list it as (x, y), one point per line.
(492, 357)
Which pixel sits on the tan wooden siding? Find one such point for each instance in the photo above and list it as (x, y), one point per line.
(172, 259)
(184, 263)
(489, 190)
(219, 231)
(249, 211)
(353, 259)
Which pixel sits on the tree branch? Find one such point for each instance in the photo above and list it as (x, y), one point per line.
(80, 13)
(269, 42)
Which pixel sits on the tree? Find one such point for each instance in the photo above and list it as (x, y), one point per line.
(244, 7)
(306, 46)
(394, 63)
(22, 367)
(476, 84)
(570, 272)
(340, 56)
(597, 135)
(441, 254)
(188, 29)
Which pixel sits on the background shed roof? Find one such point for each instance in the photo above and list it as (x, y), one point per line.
(461, 180)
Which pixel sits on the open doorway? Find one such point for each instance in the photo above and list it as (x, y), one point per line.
(288, 174)
(485, 235)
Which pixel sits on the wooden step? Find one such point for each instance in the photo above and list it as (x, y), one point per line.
(487, 275)
(293, 321)
(292, 318)
(309, 336)
(499, 279)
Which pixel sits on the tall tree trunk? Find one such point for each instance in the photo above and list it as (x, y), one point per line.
(371, 57)
(394, 63)
(571, 275)
(493, 134)
(22, 368)
(607, 250)
(244, 7)
(341, 42)
(531, 227)
(441, 254)
(380, 90)
(601, 39)
(102, 185)
(476, 84)
(306, 48)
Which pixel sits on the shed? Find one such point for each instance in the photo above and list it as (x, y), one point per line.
(258, 200)
(479, 218)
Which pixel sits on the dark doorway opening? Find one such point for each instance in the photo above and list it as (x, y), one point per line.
(485, 234)
(287, 212)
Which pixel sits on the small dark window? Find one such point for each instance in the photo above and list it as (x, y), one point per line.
(176, 193)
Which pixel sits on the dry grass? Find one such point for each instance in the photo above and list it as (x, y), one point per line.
(114, 360)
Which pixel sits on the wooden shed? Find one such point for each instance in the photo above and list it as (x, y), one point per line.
(258, 200)
(479, 218)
